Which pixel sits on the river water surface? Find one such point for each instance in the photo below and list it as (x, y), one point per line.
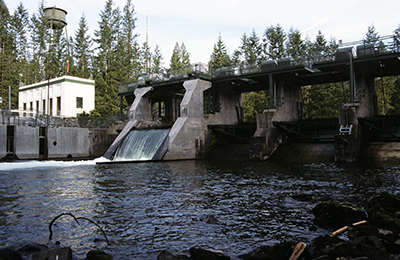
(148, 207)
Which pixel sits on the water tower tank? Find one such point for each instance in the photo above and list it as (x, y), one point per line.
(56, 17)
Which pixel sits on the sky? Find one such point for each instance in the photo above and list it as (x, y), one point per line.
(198, 24)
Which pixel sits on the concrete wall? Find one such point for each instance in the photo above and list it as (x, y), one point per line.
(27, 142)
(3, 141)
(62, 143)
(231, 105)
(187, 134)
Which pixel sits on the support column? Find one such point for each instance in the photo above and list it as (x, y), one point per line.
(186, 137)
(287, 100)
(348, 142)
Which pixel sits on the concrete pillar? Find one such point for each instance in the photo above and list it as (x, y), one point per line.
(141, 106)
(288, 100)
(187, 134)
(347, 143)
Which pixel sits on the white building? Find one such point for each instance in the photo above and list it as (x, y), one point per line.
(65, 96)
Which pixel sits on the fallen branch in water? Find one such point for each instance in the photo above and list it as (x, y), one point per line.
(297, 251)
(76, 220)
(344, 229)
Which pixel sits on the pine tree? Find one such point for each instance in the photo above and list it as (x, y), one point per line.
(81, 51)
(130, 53)
(251, 49)
(157, 61)
(40, 37)
(8, 57)
(295, 45)
(320, 48)
(105, 64)
(274, 42)
(146, 58)
(185, 56)
(19, 25)
(219, 57)
(176, 61)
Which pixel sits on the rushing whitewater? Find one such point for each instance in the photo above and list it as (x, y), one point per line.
(141, 144)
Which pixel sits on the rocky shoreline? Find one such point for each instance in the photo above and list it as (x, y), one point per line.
(372, 233)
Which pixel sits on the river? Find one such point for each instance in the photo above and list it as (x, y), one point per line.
(144, 208)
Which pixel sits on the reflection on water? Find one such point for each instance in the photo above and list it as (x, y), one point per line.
(148, 207)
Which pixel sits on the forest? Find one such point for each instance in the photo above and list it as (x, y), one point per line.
(30, 52)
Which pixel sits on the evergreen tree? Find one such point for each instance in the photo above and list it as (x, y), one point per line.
(185, 56)
(156, 65)
(19, 25)
(40, 37)
(105, 65)
(146, 58)
(8, 71)
(219, 57)
(320, 48)
(274, 42)
(81, 51)
(295, 45)
(372, 37)
(251, 49)
(130, 53)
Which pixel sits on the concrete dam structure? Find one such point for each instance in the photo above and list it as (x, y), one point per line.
(195, 107)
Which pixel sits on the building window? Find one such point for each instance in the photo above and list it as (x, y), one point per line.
(79, 102)
(51, 106)
(44, 106)
(58, 106)
(37, 106)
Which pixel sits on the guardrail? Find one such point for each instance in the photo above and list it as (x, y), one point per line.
(34, 119)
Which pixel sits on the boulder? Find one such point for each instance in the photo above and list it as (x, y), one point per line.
(384, 202)
(366, 246)
(62, 253)
(279, 251)
(197, 253)
(98, 255)
(165, 255)
(10, 254)
(337, 215)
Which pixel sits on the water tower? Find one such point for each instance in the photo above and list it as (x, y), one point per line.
(55, 17)
(56, 20)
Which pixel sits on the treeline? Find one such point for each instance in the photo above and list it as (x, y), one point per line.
(30, 53)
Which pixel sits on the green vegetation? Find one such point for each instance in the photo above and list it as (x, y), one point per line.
(30, 53)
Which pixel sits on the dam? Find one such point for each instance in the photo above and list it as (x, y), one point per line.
(195, 107)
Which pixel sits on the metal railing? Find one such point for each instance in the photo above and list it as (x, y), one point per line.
(34, 119)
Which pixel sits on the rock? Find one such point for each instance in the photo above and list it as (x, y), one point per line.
(320, 245)
(30, 248)
(279, 251)
(366, 246)
(63, 253)
(337, 215)
(201, 254)
(10, 254)
(302, 197)
(98, 255)
(165, 255)
(384, 202)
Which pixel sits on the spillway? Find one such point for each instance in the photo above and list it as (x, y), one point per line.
(148, 144)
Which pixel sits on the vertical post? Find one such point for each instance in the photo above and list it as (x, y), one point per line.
(351, 78)
(271, 92)
(48, 99)
(9, 98)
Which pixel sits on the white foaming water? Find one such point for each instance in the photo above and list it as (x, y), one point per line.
(19, 165)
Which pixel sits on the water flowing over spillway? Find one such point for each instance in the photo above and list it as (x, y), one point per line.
(141, 145)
